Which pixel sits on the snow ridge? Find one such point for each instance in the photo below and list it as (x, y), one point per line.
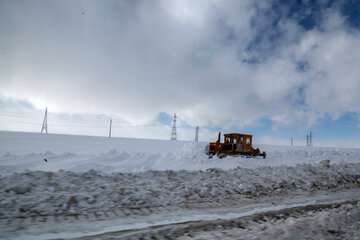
(48, 193)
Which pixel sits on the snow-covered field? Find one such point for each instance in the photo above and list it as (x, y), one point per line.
(85, 175)
(21, 151)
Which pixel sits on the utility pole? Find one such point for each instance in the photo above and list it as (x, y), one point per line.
(197, 134)
(307, 139)
(173, 130)
(44, 125)
(110, 128)
(292, 141)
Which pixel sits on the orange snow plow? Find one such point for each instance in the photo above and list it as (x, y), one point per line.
(235, 144)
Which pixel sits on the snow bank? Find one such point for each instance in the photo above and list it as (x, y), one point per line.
(49, 193)
(27, 151)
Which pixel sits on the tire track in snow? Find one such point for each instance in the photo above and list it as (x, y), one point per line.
(113, 213)
(217, 229)
(122, 212)
(71, 226)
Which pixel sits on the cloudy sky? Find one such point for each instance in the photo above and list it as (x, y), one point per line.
(273, 68)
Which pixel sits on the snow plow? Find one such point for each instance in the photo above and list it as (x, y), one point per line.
(235, 144)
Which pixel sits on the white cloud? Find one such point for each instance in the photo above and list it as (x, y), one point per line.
(332, 78)
(138, 58)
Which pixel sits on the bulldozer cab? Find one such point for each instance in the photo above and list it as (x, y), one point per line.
(236, 138)
(234, 142)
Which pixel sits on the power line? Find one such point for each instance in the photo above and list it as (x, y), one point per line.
(55, 116)
(12, 116)
(76, 125)
(29, 123)
(62, 122)
(67, 123)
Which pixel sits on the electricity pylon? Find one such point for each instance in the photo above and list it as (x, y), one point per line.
(173, 130)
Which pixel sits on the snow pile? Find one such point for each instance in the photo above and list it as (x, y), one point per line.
(49, 193)
(27, 151)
